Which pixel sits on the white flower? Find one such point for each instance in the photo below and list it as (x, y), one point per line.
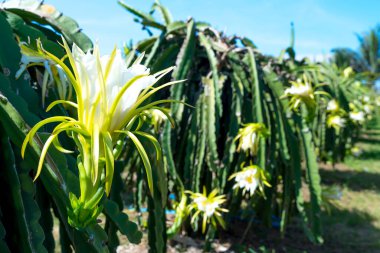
(302, 90)
(209, 206)
(302, 93)
(367, 109)
(247, 180)
(206, 206)
(248, 141)
(93, 75)
(108, 101)
(357, 116)
(332, 105)
(366, 99)
(347, 72)
(337, 121)
(249, 136)
(356, 151)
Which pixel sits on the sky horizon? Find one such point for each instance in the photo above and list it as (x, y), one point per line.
(320, 25)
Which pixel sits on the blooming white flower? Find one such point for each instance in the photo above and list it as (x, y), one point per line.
(109, 98)
(367, 109)
(249, 140)
(332, 106)
(336, 121)
(302, 90)
(99, 93)
(248, 180)
(249, 136)
(357, 116)
(206, 206)
(347, 72)
(209, 206)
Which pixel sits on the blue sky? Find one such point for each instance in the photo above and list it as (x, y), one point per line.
(320, 24)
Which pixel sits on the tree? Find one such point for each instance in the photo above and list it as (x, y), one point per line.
(345, 57)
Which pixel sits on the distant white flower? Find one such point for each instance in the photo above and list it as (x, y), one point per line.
(247, 180)
(357, 116)
(248, 141)
(366, 99)
(347, 72)
(249, 137)
(332, 106)
(356, 151)
(302, 90)
(209, 206)
(339, 121)
(367, 109)
(336, 121)
(206, 206)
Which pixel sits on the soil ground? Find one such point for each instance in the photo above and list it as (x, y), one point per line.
(352, 223)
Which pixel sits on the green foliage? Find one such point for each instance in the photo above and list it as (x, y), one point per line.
(3, 246)
(27, 209)
(345, 57)
(369, 48)
(229, 84)
(121, 220)
(313, 179)
(37, 14)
